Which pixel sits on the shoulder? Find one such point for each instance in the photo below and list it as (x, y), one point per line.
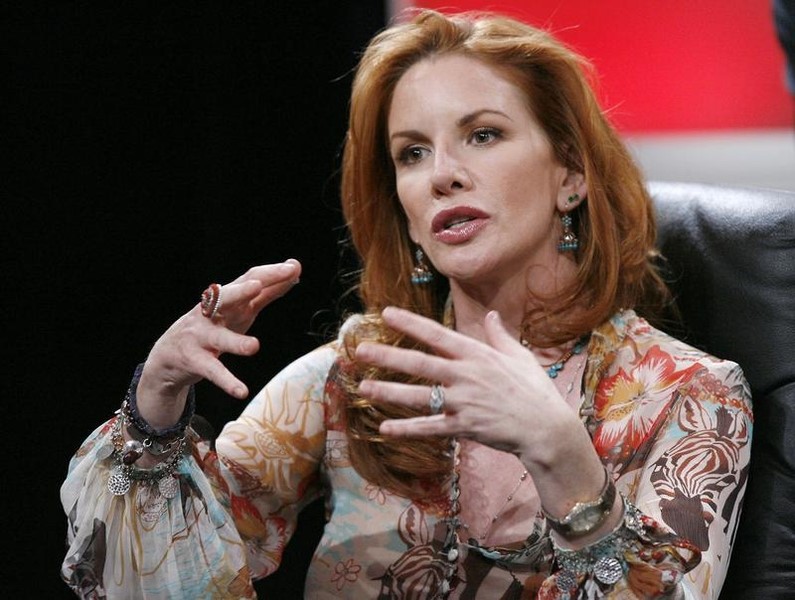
(642, 382)
(628, 349)
(629, 339)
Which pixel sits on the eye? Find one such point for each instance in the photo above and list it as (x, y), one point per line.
(483, 136)
(411, 155)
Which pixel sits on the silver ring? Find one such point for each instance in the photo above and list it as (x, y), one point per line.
(436, 401)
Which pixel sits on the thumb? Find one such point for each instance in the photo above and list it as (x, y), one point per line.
(499, 337)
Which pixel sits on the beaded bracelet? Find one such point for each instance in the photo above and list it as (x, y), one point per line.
(135, 420)
(604, 559)
(135, 447)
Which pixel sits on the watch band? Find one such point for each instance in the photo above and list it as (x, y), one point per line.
(585, 517)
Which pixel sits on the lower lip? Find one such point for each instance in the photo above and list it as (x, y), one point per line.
(462, 233)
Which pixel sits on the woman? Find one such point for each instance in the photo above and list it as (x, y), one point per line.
(497, 424)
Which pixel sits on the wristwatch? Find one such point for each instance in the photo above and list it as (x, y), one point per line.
(585, 517)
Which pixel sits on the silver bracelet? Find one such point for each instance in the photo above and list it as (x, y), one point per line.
(604, 559)
(124, 473)
(140, 442)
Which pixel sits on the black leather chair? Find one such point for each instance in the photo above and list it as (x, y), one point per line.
(731, 260)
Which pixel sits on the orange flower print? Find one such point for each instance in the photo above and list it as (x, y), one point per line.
(630, 403)
(247, 518)
(345, 571)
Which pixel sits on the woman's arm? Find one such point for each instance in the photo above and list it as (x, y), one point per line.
(673, 426)
(694, 478)
(232, 514)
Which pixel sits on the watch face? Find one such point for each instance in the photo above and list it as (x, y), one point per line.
(588, 519)
(584, 517)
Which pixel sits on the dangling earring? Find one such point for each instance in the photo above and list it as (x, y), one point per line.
(568, 240)
(421, 274)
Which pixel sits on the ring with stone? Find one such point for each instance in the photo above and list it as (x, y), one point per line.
(436, 401)
(211, 300)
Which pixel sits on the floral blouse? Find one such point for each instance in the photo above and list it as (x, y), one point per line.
(671, 424)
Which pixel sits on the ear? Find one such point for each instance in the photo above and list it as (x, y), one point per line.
(573, 191)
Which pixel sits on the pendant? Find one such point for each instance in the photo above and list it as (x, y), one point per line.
(566, 580)
(118, 482)
(168, 486)
(608, 570)
(132, 451)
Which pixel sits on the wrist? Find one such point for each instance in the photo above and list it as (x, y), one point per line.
(586, 517)
(158, 404)
(604, 557)
(153, 433)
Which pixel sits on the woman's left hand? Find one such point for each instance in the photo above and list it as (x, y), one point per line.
(494, 392)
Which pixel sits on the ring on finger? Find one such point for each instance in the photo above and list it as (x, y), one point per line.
(436, 401)
(211, 301)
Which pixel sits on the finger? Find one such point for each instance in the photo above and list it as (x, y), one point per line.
(226, 341)
(272, 274)
(270, 293)
(499, 338)
(213, 370)
(403, 394)
(411, 362)
(445, 341)
(275, 283)
(240, 293)
(415, 426)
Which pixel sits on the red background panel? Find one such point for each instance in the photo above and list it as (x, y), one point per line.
(673, 65)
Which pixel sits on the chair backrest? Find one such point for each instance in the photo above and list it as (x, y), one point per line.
(731, 257)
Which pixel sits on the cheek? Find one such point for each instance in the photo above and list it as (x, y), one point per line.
(410, 202)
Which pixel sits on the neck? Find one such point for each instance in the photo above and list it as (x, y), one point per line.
(512, 298)
(471, 307)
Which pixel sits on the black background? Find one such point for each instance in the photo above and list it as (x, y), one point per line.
(154, 147)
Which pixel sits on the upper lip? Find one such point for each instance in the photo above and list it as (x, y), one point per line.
(445, 218)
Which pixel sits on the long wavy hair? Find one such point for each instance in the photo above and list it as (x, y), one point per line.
(615, 225)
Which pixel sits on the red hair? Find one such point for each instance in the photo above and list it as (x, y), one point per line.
(615, 225)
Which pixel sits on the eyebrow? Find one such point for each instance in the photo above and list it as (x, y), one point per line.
(469, 118)
(462, 122)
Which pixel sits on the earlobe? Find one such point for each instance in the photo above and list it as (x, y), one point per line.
(412, 234)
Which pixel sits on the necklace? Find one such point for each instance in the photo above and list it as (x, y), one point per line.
(498, 514)
(449, 552)
(554, 368)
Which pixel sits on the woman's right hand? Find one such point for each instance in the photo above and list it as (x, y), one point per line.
(189, 350)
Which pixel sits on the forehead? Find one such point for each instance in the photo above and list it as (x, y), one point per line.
(456, 82)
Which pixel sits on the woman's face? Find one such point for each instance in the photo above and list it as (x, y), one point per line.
(475, 173)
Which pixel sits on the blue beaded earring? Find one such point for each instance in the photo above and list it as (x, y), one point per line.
(421, 274)
(568, 240)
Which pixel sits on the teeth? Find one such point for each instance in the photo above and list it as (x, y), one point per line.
(457, 222)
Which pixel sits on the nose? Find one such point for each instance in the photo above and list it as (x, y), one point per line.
(449, 175)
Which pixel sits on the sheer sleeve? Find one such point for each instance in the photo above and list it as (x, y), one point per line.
(673, 427)
(233, 513)
(694, 478)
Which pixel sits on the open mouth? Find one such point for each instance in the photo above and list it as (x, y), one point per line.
(452, 224)
(456, 218)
